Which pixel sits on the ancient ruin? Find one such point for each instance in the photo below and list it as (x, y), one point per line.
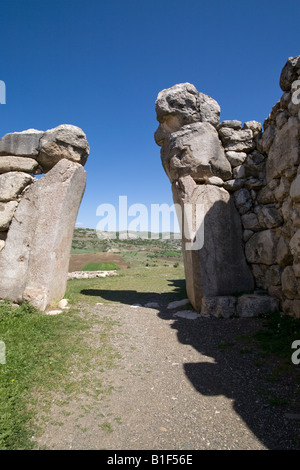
(246, 180)
(38, 214)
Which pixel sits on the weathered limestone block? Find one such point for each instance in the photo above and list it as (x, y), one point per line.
(35, 258)
(217, 266)
(282, 190)
(253, 184)
(281, 119)
(236, 158)
(259, 273)
(292, 308)
(214, 180)
(236, 140)
(266, 195)
(295, 189)
(268, 216)
(296, 214)
(295, 245)
(290, 284)
(255, 165)
(209, 109)
(64, 141)
(266, 276)
(254, 305)
(182, 104)
(255, 127)
(289, 73)
(47, 148)
(287, 209)
(284, 152)
(12, 184)
(195, 150)
(7, 210)
(247, 234)
(273, 276)
(220, 307)
(284, 256)
(239, 172)
(264, 141)
(234, 124)
(250, 222)
(243, 200)
(182, 101)
(296, 268)
(234, 184)
(25, 143)
(23, 164)
(261, 247)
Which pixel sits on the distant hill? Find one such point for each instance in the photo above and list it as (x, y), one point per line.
(86, 240)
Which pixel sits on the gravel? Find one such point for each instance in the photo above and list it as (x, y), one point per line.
(181, 384)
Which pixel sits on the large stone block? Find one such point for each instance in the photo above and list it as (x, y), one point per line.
(284, 151)
(295, 189)
(289, 73)
(36, 255)
(295, 245)
(290, 284)
(7, 210)
(261, 247)
(13, 163)
(25, 143)
(214, 260)
(292, 307)
(254, 305)
(236, 140)
(195, 150)
(65, 141)
(220, 307)
(12, 184)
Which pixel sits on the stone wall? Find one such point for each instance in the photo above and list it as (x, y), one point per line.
(38, 215)
(247, 179)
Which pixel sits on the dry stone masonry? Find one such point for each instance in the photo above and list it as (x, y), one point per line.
(37, 215)
(246, 178)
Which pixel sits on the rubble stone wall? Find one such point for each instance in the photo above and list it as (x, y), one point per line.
(257, 169)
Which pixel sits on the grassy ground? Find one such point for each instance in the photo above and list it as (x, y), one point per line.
(135, 285)
(40, 353)
(41, 350)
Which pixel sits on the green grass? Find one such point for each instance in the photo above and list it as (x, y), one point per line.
(100, 267)
(278, 333)
(40, 352)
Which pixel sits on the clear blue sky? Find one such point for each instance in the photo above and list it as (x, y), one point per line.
(99, 64)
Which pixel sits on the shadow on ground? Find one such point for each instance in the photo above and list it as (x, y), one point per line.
(131, 297)
(264, 402)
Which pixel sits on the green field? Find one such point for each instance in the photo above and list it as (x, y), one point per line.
(100, 267)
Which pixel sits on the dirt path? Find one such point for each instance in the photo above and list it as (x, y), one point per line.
(179, 384)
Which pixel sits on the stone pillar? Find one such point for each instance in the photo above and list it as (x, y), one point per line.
(195, 162)
(37, 235)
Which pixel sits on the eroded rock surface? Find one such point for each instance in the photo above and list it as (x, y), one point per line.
(246, 178)
(37, 216)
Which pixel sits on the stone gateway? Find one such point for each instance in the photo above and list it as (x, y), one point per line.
(38, 215)
(245, 177)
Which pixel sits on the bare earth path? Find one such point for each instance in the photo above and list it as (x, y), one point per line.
(179, 384)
